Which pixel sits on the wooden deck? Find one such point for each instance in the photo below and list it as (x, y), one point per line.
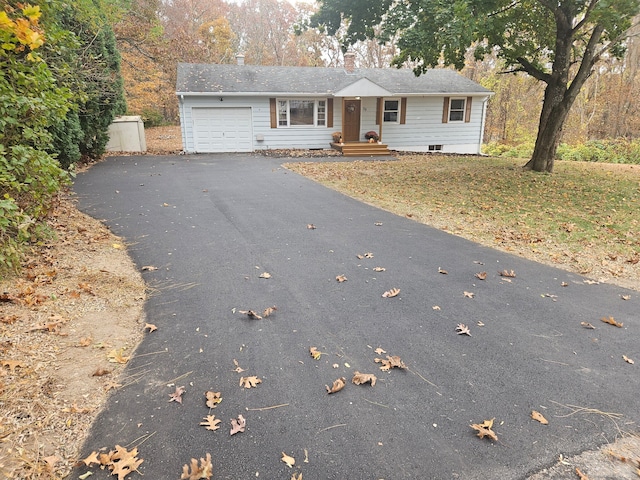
(361, 149)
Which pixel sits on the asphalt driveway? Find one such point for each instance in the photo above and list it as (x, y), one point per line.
(213, 224)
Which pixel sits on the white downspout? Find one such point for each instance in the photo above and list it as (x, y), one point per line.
(482, 124)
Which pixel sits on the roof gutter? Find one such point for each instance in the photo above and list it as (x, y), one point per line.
(327, 94)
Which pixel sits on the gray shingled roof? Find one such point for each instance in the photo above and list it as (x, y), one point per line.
(203, 78)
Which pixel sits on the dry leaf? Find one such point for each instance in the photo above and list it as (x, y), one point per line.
(315, 353)
(341, 278)
(627, 359)
(12, 364)
(213, 398)
(484, 429)
(311, 226)
(587, 325)
(378, 224)
(117, 356)
(150, 326)
(248, 382)
(444, 272)
(296, 476)
(265, 275)
(368, 255)
(149, 268)
(123, 462)
(564, 284)
(380, 351)
(337, 385)
(360, 378)
(480, 324)
(177, 395)
(469, 294)
(537, 416)
(251, 314)
(85, 341)
(611, 321)
(238, 425)
(238, 368)
(391, 293)
(100, 372)
(198, 472)
(335, 365)
(92, 458)
(507, 273)
(379, 269)
(436, 307)
(625, 297)
(290, 461)
(462, 329)
(390, 362)
(211, 422)
(269, 311)
(360, 256)
(581, 476)
(481, 275)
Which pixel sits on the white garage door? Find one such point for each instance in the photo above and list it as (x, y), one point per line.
(222, 129)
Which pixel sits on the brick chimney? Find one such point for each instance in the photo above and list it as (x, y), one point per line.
(240, 59)
(349, 62)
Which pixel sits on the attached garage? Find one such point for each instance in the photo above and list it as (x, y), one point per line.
(222, 129)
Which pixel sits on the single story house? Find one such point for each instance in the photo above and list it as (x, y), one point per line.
(244, 108)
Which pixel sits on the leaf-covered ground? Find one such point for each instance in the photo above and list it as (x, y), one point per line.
(584, 218)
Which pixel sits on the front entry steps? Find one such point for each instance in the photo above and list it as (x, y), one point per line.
(361, 149)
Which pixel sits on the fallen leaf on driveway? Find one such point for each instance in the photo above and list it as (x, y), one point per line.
(213, 398)
(481, 275)
(360, 378)
(341, 278)
(313, 351)
(290, 461)
(251, 314)
(444, 272)
(238, 425)
(238, 369)
(177, 395)
(198, 472)
(484, 429)
(379, 269)
(380, 351)
(391, 293)
(611, 321)
(265, 275)
(311, 226)
(390, 362)
(625, 297)
(627, 359)
(507, 273)
(268, 311)
(149, 268)
(211, 422)
(150, 326)
(469, 294)
(538, 417)
(462, 329)
(436, 307)
(337, 385)
(587, 325)
(248, 382)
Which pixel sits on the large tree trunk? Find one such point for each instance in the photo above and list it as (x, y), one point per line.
(555, 109)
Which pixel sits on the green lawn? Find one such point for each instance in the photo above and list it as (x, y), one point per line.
(584, 217)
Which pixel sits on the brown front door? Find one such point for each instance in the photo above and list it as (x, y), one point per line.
(351, 124)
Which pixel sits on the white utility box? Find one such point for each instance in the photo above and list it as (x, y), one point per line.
(126, 134)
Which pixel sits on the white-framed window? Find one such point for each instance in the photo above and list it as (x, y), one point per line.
(304, 112)
(435, 148)
(391, 113)
(457, 107)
